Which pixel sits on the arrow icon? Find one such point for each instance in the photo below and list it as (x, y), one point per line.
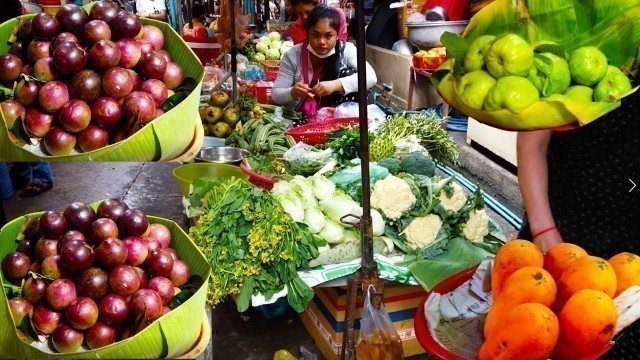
(634, 185)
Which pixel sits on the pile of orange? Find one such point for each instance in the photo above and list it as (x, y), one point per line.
(559, 305)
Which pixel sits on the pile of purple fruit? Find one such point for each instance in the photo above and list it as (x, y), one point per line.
(91, 76)
(93, 276)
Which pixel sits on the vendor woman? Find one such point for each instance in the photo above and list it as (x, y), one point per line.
(322, 71)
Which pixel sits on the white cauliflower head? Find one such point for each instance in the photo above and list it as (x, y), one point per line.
(392, 196)
(422, 231)
(477, 227)
(457, 199)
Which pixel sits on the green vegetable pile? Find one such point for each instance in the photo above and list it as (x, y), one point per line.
(261, 137)
(425, 126)
(269, 166)
(345, 143)
(254, 246)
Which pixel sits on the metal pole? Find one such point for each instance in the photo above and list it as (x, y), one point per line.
(368, 273)
(234, 50)
(368, 265)
(189, 6)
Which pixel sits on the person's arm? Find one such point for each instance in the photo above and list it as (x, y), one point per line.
(160, 16)
(286, 79)
(350, 83)
(533, 180)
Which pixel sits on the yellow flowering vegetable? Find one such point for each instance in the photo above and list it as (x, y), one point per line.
(254, 246)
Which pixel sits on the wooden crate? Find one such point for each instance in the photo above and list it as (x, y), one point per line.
(324, 317)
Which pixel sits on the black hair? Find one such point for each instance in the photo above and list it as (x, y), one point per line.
(197, 11)
(296, 2)
(324, 12)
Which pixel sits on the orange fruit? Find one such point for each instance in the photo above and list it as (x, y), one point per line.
(587, 272)
(587, 321)
(512, 256)
(627, 268)
(560, 256)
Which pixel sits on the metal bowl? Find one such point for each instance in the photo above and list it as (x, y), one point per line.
(426, 34)
(222, 155)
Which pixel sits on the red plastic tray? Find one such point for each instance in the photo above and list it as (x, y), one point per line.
(316, 133)
(420, 321)
(257, 179)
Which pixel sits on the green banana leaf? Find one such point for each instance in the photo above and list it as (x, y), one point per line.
(613, 26)
(165, 138)
(168, 337)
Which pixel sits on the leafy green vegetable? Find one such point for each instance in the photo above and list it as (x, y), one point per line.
(180, 298)
(307, 160)
(426, 126)
(417, 163)
(392, 164)
(458, 256)
(345, 143)
(269, 166)
(246, 234)
(174, 100)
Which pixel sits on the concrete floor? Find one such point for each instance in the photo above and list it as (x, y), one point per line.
(152, 188)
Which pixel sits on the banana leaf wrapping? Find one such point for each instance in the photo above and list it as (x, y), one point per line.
(613, 26)
(168, 337)
(165, 138)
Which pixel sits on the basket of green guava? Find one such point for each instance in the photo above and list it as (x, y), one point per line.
(528, 65)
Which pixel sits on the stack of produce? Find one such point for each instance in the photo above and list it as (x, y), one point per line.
(271, 47)
(86, 80)
(400, 133)
(93, 276)
(315, 202)
(262, 136)
(566, 297)
(253, 245)
(506, 72)
(541, 65)
(218, 118)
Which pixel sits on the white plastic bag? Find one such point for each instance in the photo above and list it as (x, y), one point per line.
(347, 110)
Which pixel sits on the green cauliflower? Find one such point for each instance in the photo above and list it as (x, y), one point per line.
(417, 163)
(392, 164)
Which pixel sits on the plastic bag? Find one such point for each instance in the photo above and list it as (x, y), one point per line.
(409, 145)
(347, 109)
(306, 160)
(378, 339)
(349, 179)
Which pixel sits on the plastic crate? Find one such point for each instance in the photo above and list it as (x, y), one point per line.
(316, 133)
(257, 179)
(270, 65)
(262, 90)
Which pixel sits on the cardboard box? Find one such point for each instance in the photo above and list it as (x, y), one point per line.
(324, 317)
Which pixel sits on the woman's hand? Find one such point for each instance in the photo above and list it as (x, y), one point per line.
(548, 240)
(300, 90)
(326, 88)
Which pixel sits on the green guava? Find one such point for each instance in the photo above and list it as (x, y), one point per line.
(580, 93)
(509, 55)
(613, 86)
(513, 93)
(588, 65)
(473, 88)
(550, 74)
(474, 60)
